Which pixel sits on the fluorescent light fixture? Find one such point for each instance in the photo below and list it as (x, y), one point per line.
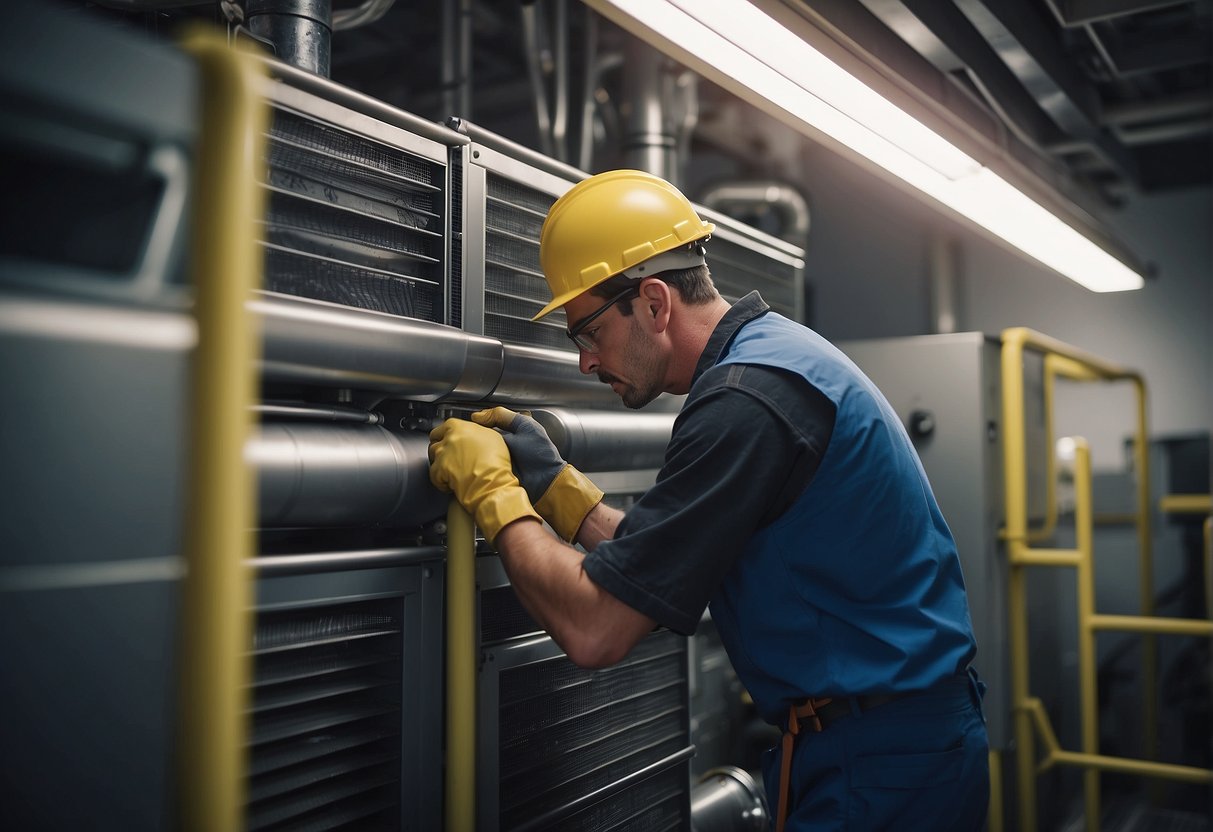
(736, 40)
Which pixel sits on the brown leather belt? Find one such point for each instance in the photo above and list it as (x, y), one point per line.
(813, 715)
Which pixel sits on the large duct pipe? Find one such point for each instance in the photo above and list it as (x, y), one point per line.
(318, 475)
(300, 30)
(597, 441)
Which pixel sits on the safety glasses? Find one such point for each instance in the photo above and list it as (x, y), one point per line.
(583, 337)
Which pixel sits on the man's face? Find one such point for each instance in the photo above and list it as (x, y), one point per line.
(626, 355)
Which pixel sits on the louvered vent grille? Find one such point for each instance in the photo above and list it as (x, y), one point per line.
(738, 270)
(514, 288)
(566, 732)
(353, 221)
(326, 717)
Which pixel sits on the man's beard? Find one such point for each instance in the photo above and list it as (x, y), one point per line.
(642, 364)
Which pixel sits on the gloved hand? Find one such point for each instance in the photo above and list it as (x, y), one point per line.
(560, 493)
(473, 462)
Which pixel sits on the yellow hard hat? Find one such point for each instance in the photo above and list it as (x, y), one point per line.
(609, 223)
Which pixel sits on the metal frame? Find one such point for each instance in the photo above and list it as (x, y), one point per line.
(1030, 714)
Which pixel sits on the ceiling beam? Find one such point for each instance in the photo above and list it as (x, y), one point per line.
(1028, 44)
(1072, 13)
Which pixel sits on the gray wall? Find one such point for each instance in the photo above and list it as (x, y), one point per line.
(868, 265)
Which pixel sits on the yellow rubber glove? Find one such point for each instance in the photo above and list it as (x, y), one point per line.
(473, 463)
(559, 492)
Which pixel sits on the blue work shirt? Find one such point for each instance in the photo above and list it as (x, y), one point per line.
(792, 500)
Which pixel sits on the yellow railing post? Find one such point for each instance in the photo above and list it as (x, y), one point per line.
(1083, 523)
(217, 591)
(460, 789)
(1030, 715)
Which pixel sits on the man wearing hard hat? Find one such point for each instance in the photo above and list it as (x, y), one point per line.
(791, 501)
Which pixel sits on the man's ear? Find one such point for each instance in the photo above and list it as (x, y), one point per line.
(657, 297)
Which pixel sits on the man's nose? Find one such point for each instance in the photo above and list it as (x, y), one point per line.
(587, 361)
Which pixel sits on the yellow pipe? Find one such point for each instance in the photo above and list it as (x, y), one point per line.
(1050, 522)
(1046, 557)
(217, 592)
(1086, 633)
(1209, 567)
(1153, 625)
(994, 815)
(1015, 473)
(1149, 647)
(1125, 765)
(1186, 503)
(461, 664)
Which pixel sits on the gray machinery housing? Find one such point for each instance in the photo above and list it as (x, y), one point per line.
(401, 268)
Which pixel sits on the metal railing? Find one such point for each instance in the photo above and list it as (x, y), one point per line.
(1030, 715)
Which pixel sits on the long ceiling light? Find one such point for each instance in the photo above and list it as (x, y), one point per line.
(734, 41)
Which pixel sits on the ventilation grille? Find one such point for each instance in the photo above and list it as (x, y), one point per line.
(353, 221)
(326, 718)
(566, 732)
(514, 288)
(738, 270)
(502, 616)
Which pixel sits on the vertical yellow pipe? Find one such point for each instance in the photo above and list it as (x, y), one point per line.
(1149, 646)
(1209, 567)
(1015, 473)
(460, 671)
(217, 590)
(994, 816)
(1083, 521)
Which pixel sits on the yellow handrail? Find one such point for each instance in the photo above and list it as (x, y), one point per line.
(1063, 360)
(217, 590)
(460, 789)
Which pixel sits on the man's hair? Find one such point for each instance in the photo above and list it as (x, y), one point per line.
(694, 285)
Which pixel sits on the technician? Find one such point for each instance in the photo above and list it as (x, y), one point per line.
(791, 502)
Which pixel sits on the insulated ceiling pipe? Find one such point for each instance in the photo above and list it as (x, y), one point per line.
(313, 475)
(301, 31)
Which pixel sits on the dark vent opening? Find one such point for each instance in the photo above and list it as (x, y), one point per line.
(566, 732)
(514, 287)
(353, 221)
(326, 717)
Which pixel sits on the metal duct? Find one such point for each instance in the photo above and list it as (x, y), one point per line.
(314, 475)
(728, 800)
(300, 30)
(597, 441)
(314, 342)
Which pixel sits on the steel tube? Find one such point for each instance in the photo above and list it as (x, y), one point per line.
(301, 31)
(598, 441)
(318, 474)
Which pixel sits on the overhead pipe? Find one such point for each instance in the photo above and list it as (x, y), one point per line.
(457, 58)
(649, 144)
(301, 31)
(771, 194)
(533, 48)
(368, 12)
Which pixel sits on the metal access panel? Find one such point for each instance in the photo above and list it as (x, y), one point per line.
(563, 748)
(507, 192)
(947, 391)
(347, 695)
(358, 207)
(96, 135)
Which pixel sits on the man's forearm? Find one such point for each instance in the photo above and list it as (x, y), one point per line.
(593, 627)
